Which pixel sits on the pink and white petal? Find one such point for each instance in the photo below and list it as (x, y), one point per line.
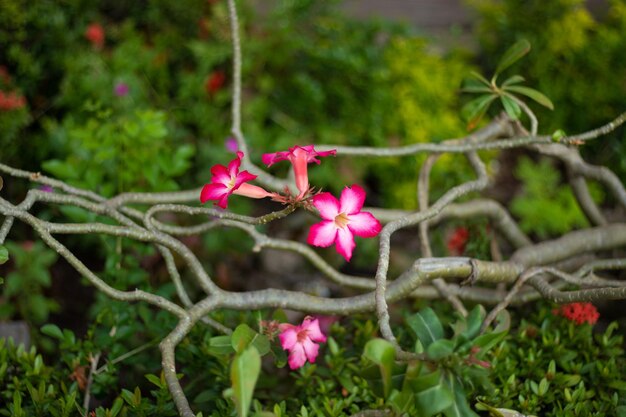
(270, 159)
(297, 357)
(288, 338)
(213, 191)
(345, 243)
(233, 166)
(243, 176)
(311, 350)
(220, 174)
(322, 234)
(314, 332)
(327, 205)
(223, 201)
(352, 199)
(313, 155)
(364, 224)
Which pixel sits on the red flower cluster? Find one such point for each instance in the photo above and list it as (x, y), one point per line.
(578, 312)
(95, 35)
(457, 241)
(215, 82)
(11, 101)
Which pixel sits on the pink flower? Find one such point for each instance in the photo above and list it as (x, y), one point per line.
(231, 145)
(121, 89)
(300, 157)
(300, 341)
(227, 181)
(46, 188)
(342, 220)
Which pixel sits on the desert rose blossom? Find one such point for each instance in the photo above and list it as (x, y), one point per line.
(342, 220)
(301, 341)
(227, 181)
(300, 157)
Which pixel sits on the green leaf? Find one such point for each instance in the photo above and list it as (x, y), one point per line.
(244, 372)
(460, 406)
(382, 353)
(4, 254)
(440, 349)
(220, 345)
(52, 330)
(473, 321)
(64, 170)
(473, 111)
(533, 94)
(117, 407)
(558, 135)
(471, 85)
(244, 336)
(401, 401)
(480, 78)
(432, 396)
(154, 379)
(426, 326)
(513, 54)
(488, 340)
(515, 79)
(511, 107)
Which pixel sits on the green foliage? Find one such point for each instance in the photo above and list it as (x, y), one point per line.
(507, 91)
(572, 51)
(439, 383)
(545, 206)
(26, 283)
(552, 367)
(114, 154)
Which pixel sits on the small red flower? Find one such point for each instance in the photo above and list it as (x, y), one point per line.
(215, 82)
(457, 241)
(95, 35)
(11, 101)
(579, 313)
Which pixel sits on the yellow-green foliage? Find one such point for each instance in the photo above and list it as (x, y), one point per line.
(425, 88)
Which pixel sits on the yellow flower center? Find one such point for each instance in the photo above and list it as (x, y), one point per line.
(341, 220)
(231, 183)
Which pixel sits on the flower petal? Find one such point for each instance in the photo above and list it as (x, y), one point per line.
(270, 159)
(352, 199)
(297, 357)
(327, 205)
(288, 338)
(345, 243)
(364, 224)
(243, 176)
(313, 330)
(310, 349)
(322, 234)
(220, 174)
(213, 192)
(233, 166)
